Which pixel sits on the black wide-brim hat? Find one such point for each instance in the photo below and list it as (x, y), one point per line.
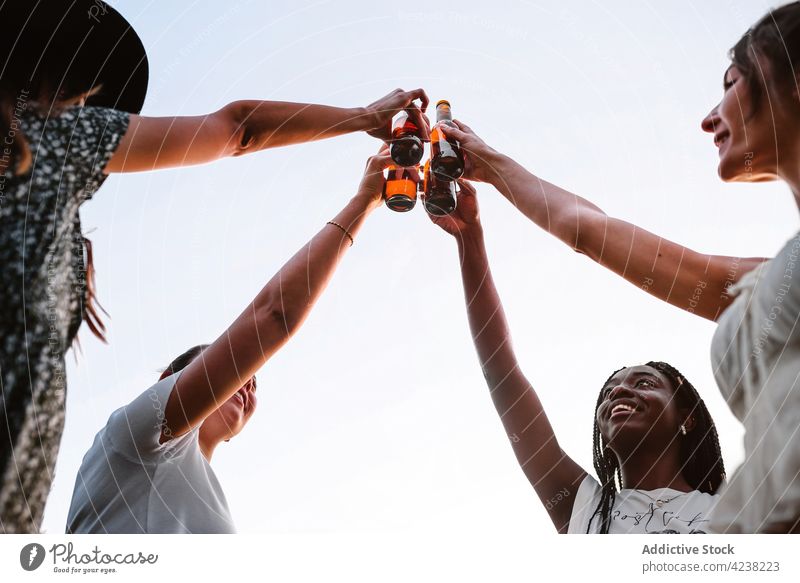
(73, 46)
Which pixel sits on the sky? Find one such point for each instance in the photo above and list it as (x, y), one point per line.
(375, 417)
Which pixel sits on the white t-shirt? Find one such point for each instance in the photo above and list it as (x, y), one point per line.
(756, 357)
(129, 483)
(661, 511)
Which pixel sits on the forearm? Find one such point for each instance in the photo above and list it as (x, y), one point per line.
(487, 320)
(292, 292)
(270, 124)
(563, 214)
(515, 400)
(266, 324)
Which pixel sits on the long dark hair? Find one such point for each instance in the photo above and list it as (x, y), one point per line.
(776, 38)
(700, 454)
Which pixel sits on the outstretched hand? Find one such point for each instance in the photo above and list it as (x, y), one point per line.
(383, 110)
(480, 157)
(466, 217)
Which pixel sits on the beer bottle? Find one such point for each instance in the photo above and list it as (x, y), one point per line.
(400, 189)
(440, 195)
(406, 148)
(447, 160)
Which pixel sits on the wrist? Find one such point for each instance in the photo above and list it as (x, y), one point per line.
(494, 165)
(366, 201)
(364, 118)
(470, 237)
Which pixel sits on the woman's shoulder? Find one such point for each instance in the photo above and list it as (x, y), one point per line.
(74, 118)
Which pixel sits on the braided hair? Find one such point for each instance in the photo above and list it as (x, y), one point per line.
(700, 454)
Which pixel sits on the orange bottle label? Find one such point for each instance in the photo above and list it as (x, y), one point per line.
(405, 186)
(399, 182)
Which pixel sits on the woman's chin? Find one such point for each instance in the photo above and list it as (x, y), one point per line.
(743, 167)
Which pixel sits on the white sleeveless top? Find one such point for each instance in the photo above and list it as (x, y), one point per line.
(756, 358)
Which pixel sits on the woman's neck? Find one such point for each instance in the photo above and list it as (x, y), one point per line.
(645, 471)
(208, 443)
(790, 174)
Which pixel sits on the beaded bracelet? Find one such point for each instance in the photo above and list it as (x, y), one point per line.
(345, 231)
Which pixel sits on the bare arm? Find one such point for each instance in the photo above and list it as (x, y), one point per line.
(693, 281)
(550, 471)
(276, 313)
(242, 127)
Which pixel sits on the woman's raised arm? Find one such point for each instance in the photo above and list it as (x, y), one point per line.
(553, 474)
(685, 278)
(276, 313)
(241, 127)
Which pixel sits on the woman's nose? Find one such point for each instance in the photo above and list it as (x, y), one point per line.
(709, 124)
(619, 390)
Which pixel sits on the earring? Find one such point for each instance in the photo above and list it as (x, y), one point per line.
(683, 429)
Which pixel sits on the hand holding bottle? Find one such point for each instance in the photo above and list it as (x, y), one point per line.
(373, 183)
(382, 111)
(481, 159)
(465, 218)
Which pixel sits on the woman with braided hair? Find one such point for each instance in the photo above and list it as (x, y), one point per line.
(699, 456)
(754, 300)
(653, 436)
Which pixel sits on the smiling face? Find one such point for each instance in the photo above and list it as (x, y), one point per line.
(639, 410)
(231, 416)
(756, 134)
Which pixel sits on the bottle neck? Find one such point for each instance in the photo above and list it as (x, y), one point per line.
(444, 114)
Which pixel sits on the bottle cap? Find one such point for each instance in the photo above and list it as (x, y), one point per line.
(442, 102)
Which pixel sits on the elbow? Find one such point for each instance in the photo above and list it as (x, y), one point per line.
(493, 380)
(584, 232)
(273, 316)
(235, 117)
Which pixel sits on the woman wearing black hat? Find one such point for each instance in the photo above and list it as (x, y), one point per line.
(73, 78)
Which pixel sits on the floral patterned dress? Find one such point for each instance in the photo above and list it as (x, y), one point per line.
(43, 292)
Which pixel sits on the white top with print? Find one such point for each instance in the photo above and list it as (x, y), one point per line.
(661, 511)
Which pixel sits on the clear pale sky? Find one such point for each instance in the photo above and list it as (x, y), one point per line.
(375, 416)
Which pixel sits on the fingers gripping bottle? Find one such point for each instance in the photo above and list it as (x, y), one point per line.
(406, 147)
(400, 189)
(440, 195)
(447, 160)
